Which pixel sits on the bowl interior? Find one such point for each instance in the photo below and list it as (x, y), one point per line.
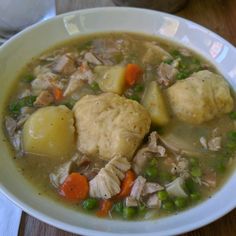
(34, 40)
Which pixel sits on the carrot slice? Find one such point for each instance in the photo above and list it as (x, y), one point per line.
(132, 74)
(105, 207)
(57, 93)
(75, 188)
(126, 184)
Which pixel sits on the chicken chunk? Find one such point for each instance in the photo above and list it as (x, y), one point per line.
(44, 99)
(107, 182)
(137, 188)
(65, 65)
(110, 125)
(201, 97)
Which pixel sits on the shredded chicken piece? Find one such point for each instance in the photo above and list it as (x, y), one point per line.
(181, 168)
(44, 99)
(65, 64)
(138, 187)
(45, 81)
(203, 142)
(151, 188)
(107, 182)
(81, 76)
(166, 74)
(131, 202)
(175, 188)
(153, 146)
(10, 125)
(153, 201)
(214, 144)
(16, 141)
(209, 179)
(60, 174)
(143, 154)
(91, 58)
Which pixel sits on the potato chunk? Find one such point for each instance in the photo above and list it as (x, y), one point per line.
(50, 132)
(111, 78)
(154, 102)
(201, 97)
(110, 125)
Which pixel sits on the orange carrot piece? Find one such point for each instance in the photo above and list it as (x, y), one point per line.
(57, 93)
(126, 184)
(132, 74)
(75, 188)
(105, 207)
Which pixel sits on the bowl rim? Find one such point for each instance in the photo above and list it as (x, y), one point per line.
(64, 226)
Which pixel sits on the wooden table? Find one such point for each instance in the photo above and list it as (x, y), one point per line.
(217, 15)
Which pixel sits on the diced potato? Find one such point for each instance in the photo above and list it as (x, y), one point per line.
(155, 54)
(154, 102)
(111, 79)
(50, 132)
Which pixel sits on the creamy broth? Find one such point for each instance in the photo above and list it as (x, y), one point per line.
(193, 155)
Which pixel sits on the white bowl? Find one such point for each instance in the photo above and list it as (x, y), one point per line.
(34, 40)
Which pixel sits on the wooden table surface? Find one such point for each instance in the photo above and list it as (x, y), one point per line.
(218, 16)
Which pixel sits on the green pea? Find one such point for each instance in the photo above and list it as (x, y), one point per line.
(134, 97)
(232, 115)
(129, 212)
(232, 135)
(194, 162)
(142, 209)
(196, 171)
(195, 196)
(162, 195)
(190, 186)
(153, 162)
(151, 172)
(168, 61)
(94, 86)
(168, 206)
(90, 203)
(138, 88)
(180, 202)
(118, 207)
(28, 78)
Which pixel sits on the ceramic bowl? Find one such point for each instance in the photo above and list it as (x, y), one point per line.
(20, 49)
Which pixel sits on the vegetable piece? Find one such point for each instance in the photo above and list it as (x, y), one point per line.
(90, 203)
(118, 207)
(57, 93)
(126, 184)
(16, 106)
(50, 132)
(129, 212)
(132, 74)
(28, 78)
(195, 196)
(162, 195)
(105, 207)
(151, 173)
(180, 202)
(168, 206)
(154, 102)
(94, 86)
(75, 188)
(111, 79)
(232, 115)
(196, 171)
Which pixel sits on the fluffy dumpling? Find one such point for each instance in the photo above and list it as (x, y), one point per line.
(109, 124)
(201, 97)
(50, 132)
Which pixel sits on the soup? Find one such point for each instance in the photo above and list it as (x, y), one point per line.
(122, 125)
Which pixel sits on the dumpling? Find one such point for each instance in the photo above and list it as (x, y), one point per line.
(50, 132)
(109, 124)
(201, 97)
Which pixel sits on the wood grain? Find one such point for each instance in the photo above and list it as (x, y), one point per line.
(218, 16)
